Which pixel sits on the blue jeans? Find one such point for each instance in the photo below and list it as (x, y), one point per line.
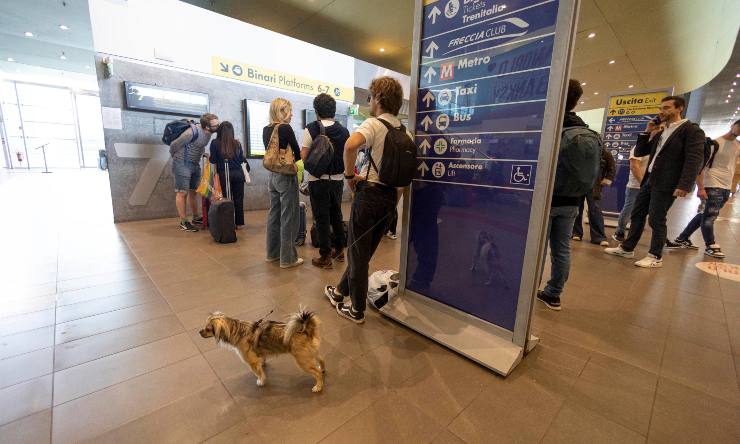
(716, 199)
(282, 220)
(624, 215)
(559, 231)
(595, 220)
(187, 175)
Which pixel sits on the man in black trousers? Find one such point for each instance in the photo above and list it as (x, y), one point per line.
(676, 157)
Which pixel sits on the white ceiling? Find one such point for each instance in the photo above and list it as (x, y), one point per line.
(43, 18)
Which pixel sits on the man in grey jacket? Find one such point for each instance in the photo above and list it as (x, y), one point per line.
(186, 152)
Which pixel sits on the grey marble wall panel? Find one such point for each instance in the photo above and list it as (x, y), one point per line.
(145, 128)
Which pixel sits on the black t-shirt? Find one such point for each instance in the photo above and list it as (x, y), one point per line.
(286, 137)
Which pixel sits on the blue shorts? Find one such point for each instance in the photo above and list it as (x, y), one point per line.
(187, 175)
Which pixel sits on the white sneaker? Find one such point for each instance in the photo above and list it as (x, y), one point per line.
(604, 243)
(294, 264)
(649, 261)
(618, 251)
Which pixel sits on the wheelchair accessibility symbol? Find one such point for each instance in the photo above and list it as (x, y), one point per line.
(521, 174)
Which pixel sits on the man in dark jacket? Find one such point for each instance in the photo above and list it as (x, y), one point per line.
(326, 191)
(607, 172)
(573, 166)
(676, 157)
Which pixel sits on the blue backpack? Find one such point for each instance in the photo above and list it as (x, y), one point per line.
(174, 129)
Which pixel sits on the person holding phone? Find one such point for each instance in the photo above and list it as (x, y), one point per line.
(676, 157)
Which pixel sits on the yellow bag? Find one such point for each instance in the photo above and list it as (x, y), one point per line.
(279, 160)
(299, 165)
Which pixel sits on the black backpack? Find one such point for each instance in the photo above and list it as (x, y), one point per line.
(579, 161)
(320, 154)
(174, 129)
(398, 164)
(710, 150)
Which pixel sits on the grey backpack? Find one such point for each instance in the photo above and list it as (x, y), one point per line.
(578, 162)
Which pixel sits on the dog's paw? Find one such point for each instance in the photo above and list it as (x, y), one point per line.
(316, 389)
(260, 383)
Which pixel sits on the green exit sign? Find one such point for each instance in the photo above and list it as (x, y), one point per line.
(354, 110)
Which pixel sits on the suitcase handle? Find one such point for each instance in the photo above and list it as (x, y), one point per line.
(228, 181)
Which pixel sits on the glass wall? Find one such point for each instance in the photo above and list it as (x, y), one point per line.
(66, 124)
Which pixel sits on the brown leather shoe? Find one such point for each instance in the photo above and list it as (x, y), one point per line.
(322, 262)
(338, 255)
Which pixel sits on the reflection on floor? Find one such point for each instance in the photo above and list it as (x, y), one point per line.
(98, 340)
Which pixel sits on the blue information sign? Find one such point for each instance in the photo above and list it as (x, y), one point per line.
(482, 87)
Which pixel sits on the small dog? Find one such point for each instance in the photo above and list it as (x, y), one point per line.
(254, 341)
(486, 254)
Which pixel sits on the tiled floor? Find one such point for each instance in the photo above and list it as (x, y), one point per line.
(98, 342)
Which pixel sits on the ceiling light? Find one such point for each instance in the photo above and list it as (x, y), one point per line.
(596, 93)
(583, 83)
(729, 96)
(64, 27)
(592, 35)
(630, 86)
(727, 101)
(734, 83)
(63, 57)
(11, 59)
(732, 90)
(582, 102)
(737, 75)
(611, 62)
(28, 34)
(382, 49)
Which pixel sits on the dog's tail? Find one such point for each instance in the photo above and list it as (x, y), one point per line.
(303, 322)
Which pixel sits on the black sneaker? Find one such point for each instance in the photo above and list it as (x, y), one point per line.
(198, 220)
(333, 296)
(549, 301)
(714, 251)
(679, 244)
(618, 237)
(187, 226)
(346, 311)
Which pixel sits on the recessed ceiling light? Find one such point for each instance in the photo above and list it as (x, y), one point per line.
(734, 83)
(382, 49)
(582, 102)
(583, 83)
(630, 86)
(729, 96)
(727, 101)
(611, 62)
(737, 75)
(64, 27)
(732, 90)
(596, 93)
(592, 35)
(28, 34)
(11, 59)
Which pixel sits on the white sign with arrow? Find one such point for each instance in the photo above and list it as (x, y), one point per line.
(426, 121)
(429, 74)
(424, 147)
(431, 48)
(423, 168)
(433, 14)
(428, 98)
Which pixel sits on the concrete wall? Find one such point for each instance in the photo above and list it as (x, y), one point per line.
(144, 130)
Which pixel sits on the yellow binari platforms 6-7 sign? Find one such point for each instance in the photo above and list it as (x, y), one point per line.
(635, 104)
(281, 80)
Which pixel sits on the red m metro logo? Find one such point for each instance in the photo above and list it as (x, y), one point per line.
(447, 71)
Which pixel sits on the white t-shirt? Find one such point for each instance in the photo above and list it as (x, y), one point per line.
(307, 140)
(633, 182)
(374, 133)
(723, 167)
(670, 129)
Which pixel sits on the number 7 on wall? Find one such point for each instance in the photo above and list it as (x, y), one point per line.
(158, 156)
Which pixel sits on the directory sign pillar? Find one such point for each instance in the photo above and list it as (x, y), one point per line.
(625, 117)
(488, 86)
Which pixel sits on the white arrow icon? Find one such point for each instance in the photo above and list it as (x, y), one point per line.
(428, 98)
(611, 120)
(433, 14)
(429, 74)
(431, 48)
(423, 168)
(426, 122)
(424, 146)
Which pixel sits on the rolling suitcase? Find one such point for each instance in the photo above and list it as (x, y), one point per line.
(221, 215)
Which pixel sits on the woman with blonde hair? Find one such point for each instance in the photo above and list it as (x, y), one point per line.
(282, 220)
